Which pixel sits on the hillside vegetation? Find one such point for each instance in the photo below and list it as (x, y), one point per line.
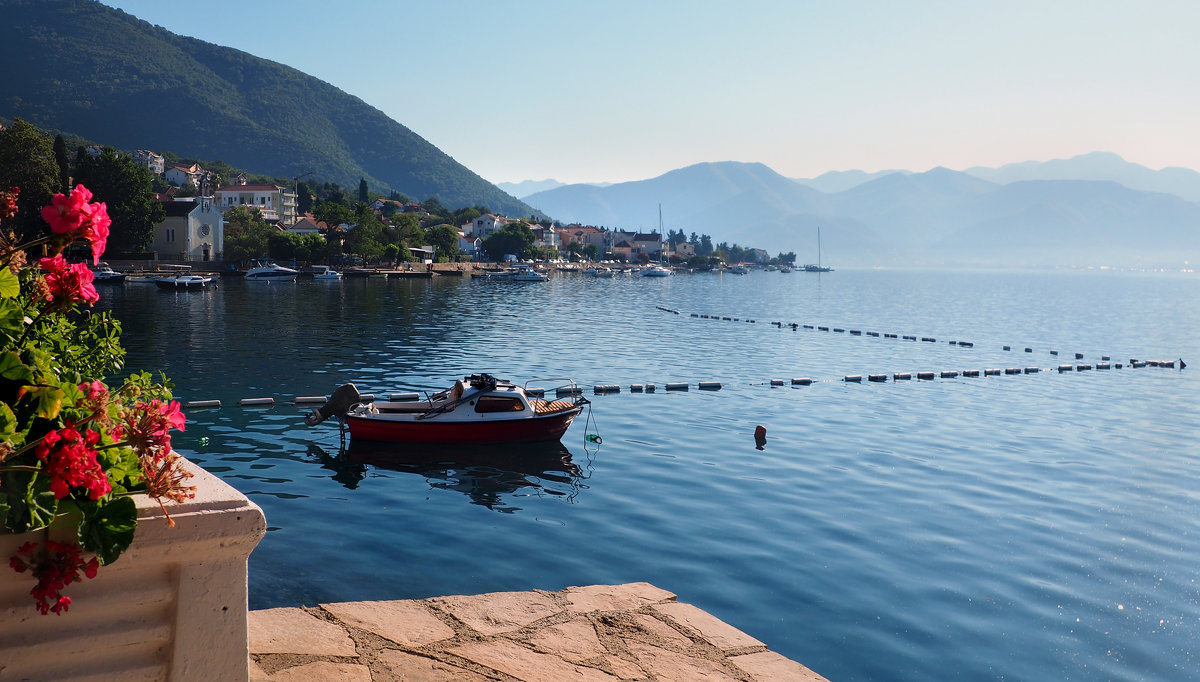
(80, 67)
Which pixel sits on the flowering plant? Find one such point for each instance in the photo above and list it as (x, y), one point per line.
(72, 450)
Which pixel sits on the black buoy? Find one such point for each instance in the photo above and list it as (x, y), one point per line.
(1182, 364)
(760, 437)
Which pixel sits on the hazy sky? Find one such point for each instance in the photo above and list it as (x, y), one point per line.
(610, 90)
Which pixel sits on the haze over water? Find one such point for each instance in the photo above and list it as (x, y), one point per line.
(1027, 527)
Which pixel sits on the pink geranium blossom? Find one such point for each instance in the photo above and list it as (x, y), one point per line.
(73, 215)
(70, 459)
(55, 567)
(147, 427)
(68, 283)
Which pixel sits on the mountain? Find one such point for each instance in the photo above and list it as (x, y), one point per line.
(1183, 182)
(840, 181)
(526, 187)
(78, 66)
(1080, 222)
(941, 217)
(741, 203)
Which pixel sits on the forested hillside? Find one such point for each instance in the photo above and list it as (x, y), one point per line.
(80, 67)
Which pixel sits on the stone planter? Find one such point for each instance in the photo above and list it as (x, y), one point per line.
(172, 607)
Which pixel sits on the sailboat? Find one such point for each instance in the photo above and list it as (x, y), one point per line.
(818, 267)
(657, 270)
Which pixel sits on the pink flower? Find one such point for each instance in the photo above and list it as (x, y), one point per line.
(67, 213)
(55, 567)
(96, 231)
(70, 459)
(73, 215)
(68, 283)
(147, 427)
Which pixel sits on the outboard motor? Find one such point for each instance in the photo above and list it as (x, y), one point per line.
(343, 398)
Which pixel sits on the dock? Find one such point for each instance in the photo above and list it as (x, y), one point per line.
(634, 631)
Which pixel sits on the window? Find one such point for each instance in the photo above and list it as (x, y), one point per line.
(496, 403)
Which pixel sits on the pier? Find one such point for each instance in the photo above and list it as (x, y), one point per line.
(634, 631)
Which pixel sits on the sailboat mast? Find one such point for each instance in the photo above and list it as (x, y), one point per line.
(818, 246)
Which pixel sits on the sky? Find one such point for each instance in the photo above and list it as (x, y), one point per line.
(613, 90)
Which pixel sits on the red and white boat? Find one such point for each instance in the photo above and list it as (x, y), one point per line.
(478, 409)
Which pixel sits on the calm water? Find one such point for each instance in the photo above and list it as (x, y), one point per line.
(1033, 527)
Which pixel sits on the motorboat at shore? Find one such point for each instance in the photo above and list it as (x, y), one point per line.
(324, 273)
(104, 274)
(183, 281)
(478, 409)
(267, 270)
(655, 271)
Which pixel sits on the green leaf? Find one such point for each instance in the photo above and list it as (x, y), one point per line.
(13, 369)
(48, 400)
(10, 286)
(108, 528)
(8, 423)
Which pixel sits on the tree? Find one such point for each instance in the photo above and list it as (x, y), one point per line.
(408, 230)
(128, 189)
(366, 239)
(304, 198)
(363, 191)
(246, 234)
(64, 163)
(444, 239)
(591, 251)
(513, 238)
(434, 207)
(27, 162)
(332, 213)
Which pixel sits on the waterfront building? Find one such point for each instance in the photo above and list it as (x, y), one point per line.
(277, 204)
(192, 231)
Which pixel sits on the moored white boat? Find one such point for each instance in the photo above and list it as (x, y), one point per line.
(478, 409)
(524, 273)
(267, 270)
(184, 281)
(104, 274)
(325, 273)
(655, 271)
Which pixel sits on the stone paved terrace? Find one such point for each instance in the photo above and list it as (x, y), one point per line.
(601, 632)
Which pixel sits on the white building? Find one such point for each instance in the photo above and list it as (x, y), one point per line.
(147, 158)
(485, 225)
(193, 231)
(277, 204)
(185, 175)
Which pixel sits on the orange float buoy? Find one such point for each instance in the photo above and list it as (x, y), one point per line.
(760, 436)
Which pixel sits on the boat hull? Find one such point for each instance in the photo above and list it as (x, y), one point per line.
(550, 427)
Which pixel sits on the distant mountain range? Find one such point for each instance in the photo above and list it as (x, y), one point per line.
(79, 67)
(940, 217)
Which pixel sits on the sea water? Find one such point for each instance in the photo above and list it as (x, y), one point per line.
(1038, 526)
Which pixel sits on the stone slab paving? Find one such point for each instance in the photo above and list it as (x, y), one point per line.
(596, 633)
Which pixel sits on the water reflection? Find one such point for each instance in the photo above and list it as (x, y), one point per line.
(491, 476)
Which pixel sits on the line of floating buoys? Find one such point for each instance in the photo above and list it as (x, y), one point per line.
(606, 388)
(667, 310)
(888, 335)
(676, 386)
(306, 399)
(853, 378)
